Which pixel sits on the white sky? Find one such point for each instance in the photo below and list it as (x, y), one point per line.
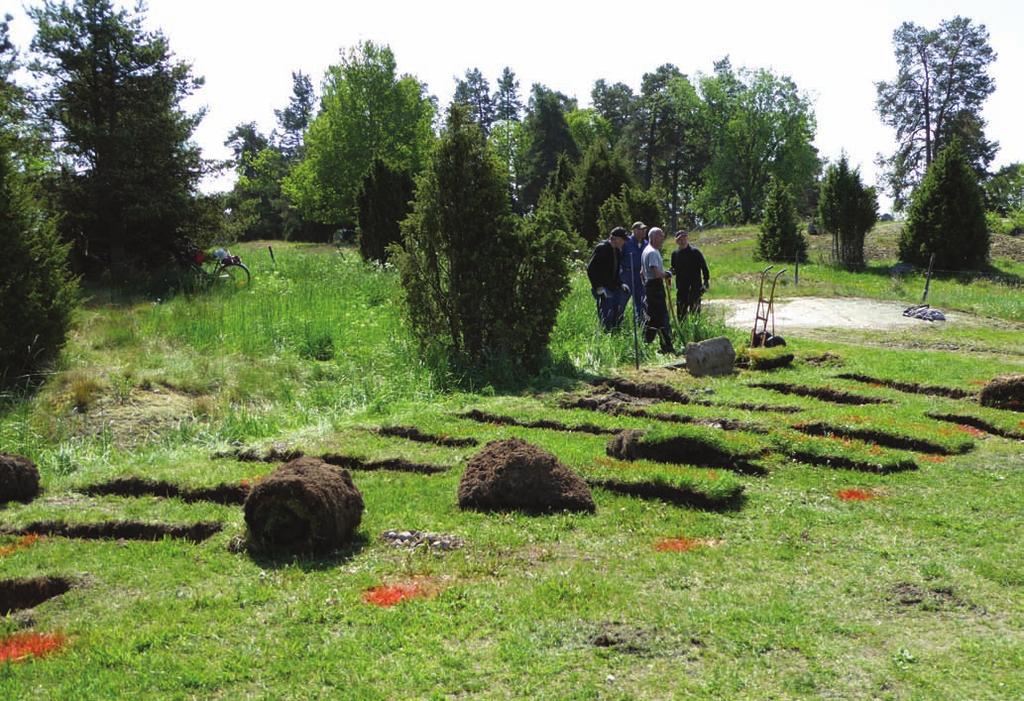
(247, 49)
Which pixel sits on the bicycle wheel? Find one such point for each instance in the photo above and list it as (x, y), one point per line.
(234, 275)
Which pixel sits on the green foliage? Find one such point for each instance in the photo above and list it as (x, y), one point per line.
(367, 112)
(780, 238)
(760, 126)
(546, 135)
(601, 175)
(474, 92)
(615, 103)
(587, 127)
(294, 119)
(939, 92)
(633, 203)
(478, 287)
(946, 217)
(383, 204)
(1004, 191)
(113, 95)
(847, 210)
(37, 294)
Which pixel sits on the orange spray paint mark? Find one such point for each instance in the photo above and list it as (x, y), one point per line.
(22, 543)
(856, 494)
(932, 458)
(22, 646)
(390, 595)
(970, 430)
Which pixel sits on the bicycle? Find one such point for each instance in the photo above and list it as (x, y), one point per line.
(218, 268)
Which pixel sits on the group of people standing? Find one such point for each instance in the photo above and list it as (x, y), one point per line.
(630, 265)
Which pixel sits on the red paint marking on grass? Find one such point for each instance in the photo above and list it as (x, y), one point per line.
(856, 494)
(977, 383)
(26, 541)
(683, 545)
(21, 646)
(970, 430)
(390, 595)
(932, 458)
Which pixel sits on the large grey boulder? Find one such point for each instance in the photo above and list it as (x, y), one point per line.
(714, 356)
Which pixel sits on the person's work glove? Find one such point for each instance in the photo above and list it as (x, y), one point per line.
(601, 292)
(668, 274)
(625, 288)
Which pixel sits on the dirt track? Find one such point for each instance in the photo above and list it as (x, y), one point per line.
(821, 312)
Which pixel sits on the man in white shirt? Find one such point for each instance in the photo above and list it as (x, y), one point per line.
(654, 275)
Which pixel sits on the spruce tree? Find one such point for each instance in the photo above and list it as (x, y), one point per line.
(383, 203)
(780, 238)
(547, 135)
(946, 216)
(847, 210)
(599, 176)
(633, 203)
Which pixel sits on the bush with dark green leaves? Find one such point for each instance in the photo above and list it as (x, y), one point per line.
(383, 203)
(481, 287)
(780, 238)
(631, 204)
(946, 216)
(600, 175)
(37, 293)
(847, 210)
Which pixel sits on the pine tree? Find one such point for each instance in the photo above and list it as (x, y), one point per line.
(847, 210)
(508, 107)
(599, 176)
(547, 135)
(946, 216)
(780, 238)
(475, 93)
(294, 119)
(383, 203)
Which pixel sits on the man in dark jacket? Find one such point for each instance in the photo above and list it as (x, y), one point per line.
(691, 273)
(603, 271)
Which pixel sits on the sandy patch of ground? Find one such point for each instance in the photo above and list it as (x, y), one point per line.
(822, 312)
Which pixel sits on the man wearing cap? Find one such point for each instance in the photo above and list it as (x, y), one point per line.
(605, 283)
(629, 269)
(655, 277)
(691, 273)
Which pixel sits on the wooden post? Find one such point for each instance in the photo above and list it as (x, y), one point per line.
(928, 279)
(272, 259)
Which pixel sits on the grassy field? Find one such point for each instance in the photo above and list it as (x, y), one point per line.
(776, 587)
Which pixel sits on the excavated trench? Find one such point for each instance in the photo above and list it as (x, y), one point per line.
(229, 494)
(601, 404)
(870, 435)
(350, 462)
(910, 387)
(746, 406)
(850, 463)
(497, 420)
(19, 594)
(119, 530)
(825, 394)
(977, 423)
(680, 450)
(414, 434)
(668, 493)
(643, 390)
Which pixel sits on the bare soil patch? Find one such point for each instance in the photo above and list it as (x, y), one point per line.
(975, 422)
(668, 493)
(930, 598)
(909, 387)
(680, 450)
(229, 494)
(119, 530)
(607, 404)
(414, 434)
(1004, 392)
(747, 406)
(644, 390)
(513, 475)
(871, 435)
(622, 638)
(825, 394)
(826, 359)
(19, 479)
(614, 403)
(487, 418)
(350, 462)
(411, 540)
(18, 594)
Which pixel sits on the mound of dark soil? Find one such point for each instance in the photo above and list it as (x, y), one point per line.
(512, 475)
(757, 361)
(683, 450)
(304, 506)
(614, 403)
(871, 435)
(119, 530)
(825, 394)
(487, 418)
(909, 387)
(414, 434)
(1004, 392)
(644, 390)
(230, 494)
(975, 422)
(18, 594)
(350, 462)
(19, 479)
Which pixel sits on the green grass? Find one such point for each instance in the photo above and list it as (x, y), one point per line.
(797, 599)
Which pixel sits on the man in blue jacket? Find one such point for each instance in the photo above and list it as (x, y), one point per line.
(629, 269)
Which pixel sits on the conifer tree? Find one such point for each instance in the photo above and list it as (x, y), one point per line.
(780, 238)
(847, 210)
(599, 176)
(383, 203)
(547, 135)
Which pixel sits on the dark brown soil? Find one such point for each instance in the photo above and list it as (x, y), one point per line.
(18, 594)
(826, 358)
(770, 362)
(600, 403)
(414, 434)
(909, 387)
(512, 475)
(622, 638)
(486, 418)
(230, 494)
(683, 450)
(304, 506)
(119, 530)
(888, 440)
(765, 408)
(350, 462)
(644, 390)
(825, 394)
(19, 479)
(614, 403)
(850, 463)
(1004, 392)
(977, 423)
(931, 598)
(668, 493)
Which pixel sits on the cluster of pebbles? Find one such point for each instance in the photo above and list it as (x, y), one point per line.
(415, 539)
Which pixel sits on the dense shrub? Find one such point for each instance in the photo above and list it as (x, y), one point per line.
(480, 286)
(946, 216)
(780, 238)
(847, 210)
(630, 205)
(600, 175)
(383, 203)
(37, 294)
